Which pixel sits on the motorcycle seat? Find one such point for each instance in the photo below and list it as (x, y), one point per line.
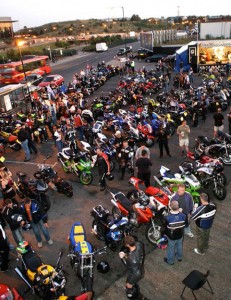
(169, 174)
(32, 261)
(69, 152)
(124, 201)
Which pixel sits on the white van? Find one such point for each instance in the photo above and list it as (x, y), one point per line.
(100, 47)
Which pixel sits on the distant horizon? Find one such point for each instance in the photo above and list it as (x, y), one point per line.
(28, 14)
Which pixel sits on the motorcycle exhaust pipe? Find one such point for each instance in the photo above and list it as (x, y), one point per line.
(19, 272)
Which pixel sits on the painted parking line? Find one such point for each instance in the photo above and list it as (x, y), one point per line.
(29, 163)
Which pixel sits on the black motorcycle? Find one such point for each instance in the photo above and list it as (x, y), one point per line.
(50, 176)
(110, 231)
(32, 188)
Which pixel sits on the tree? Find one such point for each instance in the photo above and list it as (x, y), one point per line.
(135, 18)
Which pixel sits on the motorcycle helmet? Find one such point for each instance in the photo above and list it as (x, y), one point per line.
(118, 133)
(144, 200)
(133, 292)
(103, 267)
(36, 133)
(26, 226)
(162, 243)
(5, 292)
(218, 168)
(17, 218)
(23, 247)
(110, 177)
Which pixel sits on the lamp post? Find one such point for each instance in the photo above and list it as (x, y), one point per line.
(20, 43)
(125, 45)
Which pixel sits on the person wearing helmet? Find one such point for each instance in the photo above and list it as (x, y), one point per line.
(14, 218)
(103, 167)
(134, 258)
(175, 223)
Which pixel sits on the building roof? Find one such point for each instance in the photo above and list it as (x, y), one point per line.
(7, 20)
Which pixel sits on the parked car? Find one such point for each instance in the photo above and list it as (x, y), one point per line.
(155, 57)
(128, 49)
(143, 53)
(52, 80)
(170, 58)
(32, 79)
(121, 51)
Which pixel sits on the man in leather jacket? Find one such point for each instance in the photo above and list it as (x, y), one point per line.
(103, 167)
(126, 159)
(134, 261)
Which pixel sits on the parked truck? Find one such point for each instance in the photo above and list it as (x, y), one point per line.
(100, 47)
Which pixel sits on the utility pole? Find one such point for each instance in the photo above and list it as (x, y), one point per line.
(178, 11)
(125, 45)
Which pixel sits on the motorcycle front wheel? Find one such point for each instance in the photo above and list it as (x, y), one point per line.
(219, 191)
(221, 178)
(226, 158)
(86, 282)
(112, 165)
(153, 235)
(100, 235)
(86, 178)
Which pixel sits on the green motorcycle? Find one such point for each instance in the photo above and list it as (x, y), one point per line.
(172, 180)
(82, 167)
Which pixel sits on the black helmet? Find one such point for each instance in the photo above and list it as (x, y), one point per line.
(103, 266)
(110, 177)
(26, 226)
(218, 168)
(144, 200)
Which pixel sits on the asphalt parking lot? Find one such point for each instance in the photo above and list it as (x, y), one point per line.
(161, 281)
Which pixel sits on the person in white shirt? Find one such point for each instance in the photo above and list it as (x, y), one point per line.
(58, 139)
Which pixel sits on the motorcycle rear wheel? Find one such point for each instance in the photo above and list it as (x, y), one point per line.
(219, 191)
(86, 178)
(16, 147)
(152, 236)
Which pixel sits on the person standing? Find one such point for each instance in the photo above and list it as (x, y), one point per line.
(4, 247)
(6, 183)
(218, 122)
(229, 119)
(30, 137)
(190, 74)
(163, 137)
(143, 171)
(79, 124)
(140, 149)
(103, 167)
(203, 217)
(183, 131)
(186, 206)
(125, 157)
(175, 223)
(13, 217)
(134, 259)
(23, 138)
(35, 215)
(58, 138)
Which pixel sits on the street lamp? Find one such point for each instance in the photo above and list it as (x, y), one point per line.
(125, 45)
(19, 44)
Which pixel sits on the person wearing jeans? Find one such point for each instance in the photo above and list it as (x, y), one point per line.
(175, 223)
(34, 214)
(23, 139)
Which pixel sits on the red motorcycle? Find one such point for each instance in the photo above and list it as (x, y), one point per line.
(7, 293)
(159, 197)
(203, 159)
(138, 213)
(146, 130)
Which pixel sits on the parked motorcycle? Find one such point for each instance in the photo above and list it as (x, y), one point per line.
(215, 148)
(209, 176)
(42, 279)
(11, 140)
(171, 180)
(7, 293)
(110, 231)
(82, 256)
(50, 176)
(159, 197)
(32, 188)
(137, 213)
(77, 165)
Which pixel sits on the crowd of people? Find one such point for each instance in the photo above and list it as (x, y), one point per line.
(58, 118)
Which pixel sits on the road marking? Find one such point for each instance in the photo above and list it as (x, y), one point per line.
(29, 163)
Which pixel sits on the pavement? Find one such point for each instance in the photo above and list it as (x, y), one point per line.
(161, 281)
